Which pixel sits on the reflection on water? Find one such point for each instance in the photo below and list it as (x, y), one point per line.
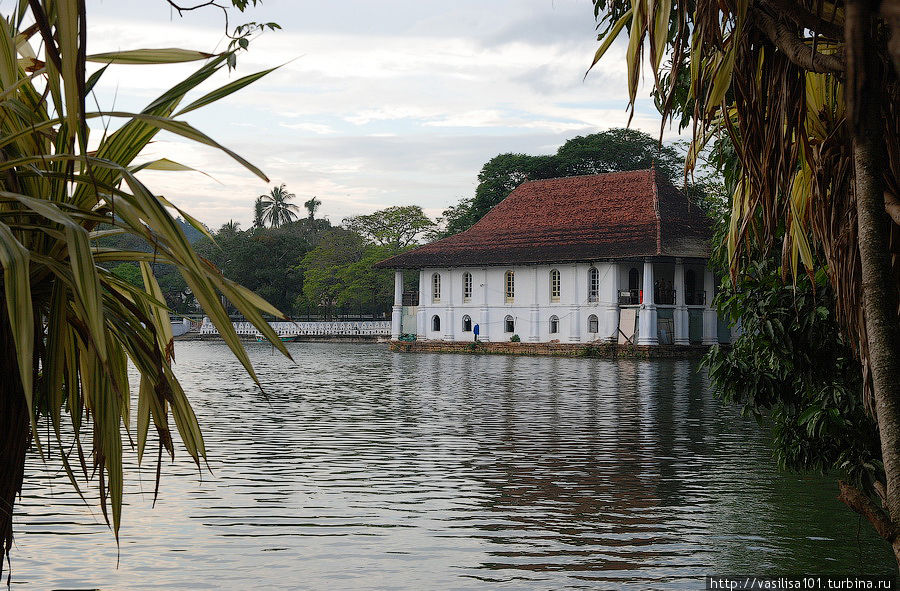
(367, 469)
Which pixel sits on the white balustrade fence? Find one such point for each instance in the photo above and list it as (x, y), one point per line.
(376, 328)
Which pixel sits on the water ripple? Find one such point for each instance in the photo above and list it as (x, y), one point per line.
(363, 469)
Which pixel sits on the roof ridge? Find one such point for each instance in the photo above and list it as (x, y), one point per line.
(579, 176)
(656, 210)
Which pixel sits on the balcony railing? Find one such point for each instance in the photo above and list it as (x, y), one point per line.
(664, 296)
(695, 298)
(411, 298)
(629, 297)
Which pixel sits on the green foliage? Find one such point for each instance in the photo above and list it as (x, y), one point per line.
(791, 367)
(615, 150)
(515, 339)
(128, 272)
(323, 267)
(608, 151)
(396, 227)
(307, 265)
(265, 259)
(339, 273)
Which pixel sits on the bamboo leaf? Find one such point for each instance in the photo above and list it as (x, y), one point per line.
(226, 90)
(17, 289)
(660, 30)
(187, 131)
(610, 38)
(145, 392)
(170, 55)
(160, 313)
(633, 53)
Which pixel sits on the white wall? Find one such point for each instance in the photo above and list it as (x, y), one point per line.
(531, 304)
(488, 290)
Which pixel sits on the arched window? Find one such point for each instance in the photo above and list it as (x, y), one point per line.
(467, 324)
(634, 279)
(554, 285)
(435, 323)
(593, 323)
(509, 324)
(554, 325)
(510, 281)
(467, 286)
(436, 287)
(593, 284)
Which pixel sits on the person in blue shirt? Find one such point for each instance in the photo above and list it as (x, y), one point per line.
(476, 330)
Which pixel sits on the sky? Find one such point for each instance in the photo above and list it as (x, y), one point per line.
(374, 104)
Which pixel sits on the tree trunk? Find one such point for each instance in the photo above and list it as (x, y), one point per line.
(864, 101)
(15, 434)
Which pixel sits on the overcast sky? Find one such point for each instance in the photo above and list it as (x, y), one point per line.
(377, 103)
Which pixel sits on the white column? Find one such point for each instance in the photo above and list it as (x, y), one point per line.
(535, 334)
(397, 310)
(647, 325)
(710, 328)
(420, 313)
(485, 314)
(575, 314)
(609, 302)
(447, 293)
(681, 314)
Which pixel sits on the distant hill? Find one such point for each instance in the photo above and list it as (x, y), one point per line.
(192, 233)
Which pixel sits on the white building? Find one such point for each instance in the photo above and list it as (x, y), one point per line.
(612, 257)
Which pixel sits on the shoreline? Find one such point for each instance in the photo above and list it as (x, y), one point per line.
(592, 350)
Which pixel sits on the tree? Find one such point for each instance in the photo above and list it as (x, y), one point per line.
(266, 260)
(614, 150)
(68, 326)
(276, 207)
(312, 206)
(806, 93)
(397, 226)
(258, 213)
(364, 286)
(230, 228)
(609, 151)
(322, 278)
(128, 272)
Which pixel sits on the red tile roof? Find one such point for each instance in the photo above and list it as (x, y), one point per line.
(582, 218)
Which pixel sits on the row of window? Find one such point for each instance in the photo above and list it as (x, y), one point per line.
(509, 280)
(509, 324)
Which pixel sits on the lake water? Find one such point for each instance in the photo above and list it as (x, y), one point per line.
(365, 469)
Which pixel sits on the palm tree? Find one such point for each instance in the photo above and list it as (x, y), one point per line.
(312, 206)
(276, 209)
(258, 213)
(807, 93)
(230, 228)
(70, 328)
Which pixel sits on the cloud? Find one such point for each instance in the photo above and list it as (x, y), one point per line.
(316, 128)
(400, 104)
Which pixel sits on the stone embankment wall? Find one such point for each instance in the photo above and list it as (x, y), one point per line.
(601, 350)
(194, 336)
